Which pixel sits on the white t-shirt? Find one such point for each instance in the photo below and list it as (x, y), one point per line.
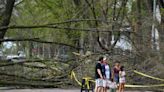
(122, 76)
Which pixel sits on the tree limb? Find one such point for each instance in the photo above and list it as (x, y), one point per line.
(6, 15)
(39, 41)
(57, 27)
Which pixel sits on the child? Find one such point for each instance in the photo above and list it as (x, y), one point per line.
(113, 86)
(121, 79)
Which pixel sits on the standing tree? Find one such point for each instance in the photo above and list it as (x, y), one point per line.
(5, 15)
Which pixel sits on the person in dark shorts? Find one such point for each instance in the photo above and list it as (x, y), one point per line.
(99, 76)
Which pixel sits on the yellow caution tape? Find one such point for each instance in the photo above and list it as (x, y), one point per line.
(87, 79)
(148, 76)
(74, 76)
(131, 86)
(144, 86)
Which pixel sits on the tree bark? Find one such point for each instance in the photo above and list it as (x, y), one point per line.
(6, 15)
(137, 27)
(161, 31)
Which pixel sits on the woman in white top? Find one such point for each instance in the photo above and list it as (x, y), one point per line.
(107, 75)
(121, 79)
(107, 71)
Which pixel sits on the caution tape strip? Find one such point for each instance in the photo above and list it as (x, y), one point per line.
(144, 86)
(73, 75)
(155, 78)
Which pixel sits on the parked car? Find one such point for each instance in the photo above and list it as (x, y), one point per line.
(19, 57)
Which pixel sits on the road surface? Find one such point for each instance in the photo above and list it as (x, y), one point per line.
(48, 90)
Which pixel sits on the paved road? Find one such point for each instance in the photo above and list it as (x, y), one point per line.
(49, 90)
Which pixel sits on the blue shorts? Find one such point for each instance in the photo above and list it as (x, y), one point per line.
(116, 79)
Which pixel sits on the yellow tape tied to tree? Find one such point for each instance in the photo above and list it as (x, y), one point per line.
(155, 78)
(73, 76)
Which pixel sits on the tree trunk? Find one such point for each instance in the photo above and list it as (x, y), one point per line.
(137, 28)
(161, 33)
(5, 18)
(139, 24)
(81, 43)
(49, 52)
(43, 50)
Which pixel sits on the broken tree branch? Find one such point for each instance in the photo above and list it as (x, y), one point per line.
(39, 41)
